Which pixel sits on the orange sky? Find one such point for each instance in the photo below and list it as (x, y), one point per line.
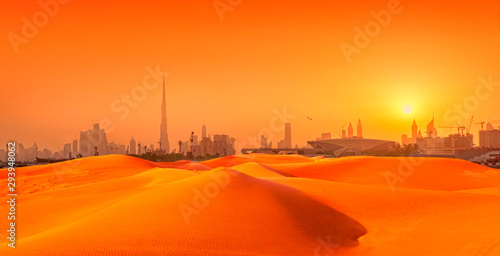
(232, 73)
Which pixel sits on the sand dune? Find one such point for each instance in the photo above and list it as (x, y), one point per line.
(262, 205)
(39, 178)
(186, 165)
(225, 212)
(259, 170)
(410, 221)
(398, 172)
(229, 161)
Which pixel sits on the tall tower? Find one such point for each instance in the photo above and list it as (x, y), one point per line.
(430, 129)
(164, 145)
(288, 135)
(350, 131)
(359, 129)
(414, 131)
(203, 131)
(132, 148)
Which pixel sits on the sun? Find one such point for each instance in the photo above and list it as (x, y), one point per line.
(407, 109)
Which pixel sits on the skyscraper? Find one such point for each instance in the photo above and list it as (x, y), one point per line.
(288, 135)
(67, 150)
(75, 147)
(132, 148)
(203, 131)
(93, 142)
(430, 129)
(263, 141)
(414, 131)
(287, 141)
(359, 132)
(350, 131)
(164, 145)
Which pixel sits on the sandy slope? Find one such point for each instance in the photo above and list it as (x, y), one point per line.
(263, 205)
(186, 165)
(398, 172)
(229, 161)
(412, 222)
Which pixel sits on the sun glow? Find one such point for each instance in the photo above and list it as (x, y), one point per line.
(407, 109)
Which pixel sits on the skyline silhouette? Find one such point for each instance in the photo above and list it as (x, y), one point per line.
(234, 73)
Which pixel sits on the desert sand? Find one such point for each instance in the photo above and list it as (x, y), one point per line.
(256, 205)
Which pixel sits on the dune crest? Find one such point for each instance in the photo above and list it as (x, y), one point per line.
(229, 161)
(398, 172)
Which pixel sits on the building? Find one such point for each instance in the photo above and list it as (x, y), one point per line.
(489, 138)
(203, 131)
(263, 141)
(206, 146)
(288, 135)
(164, 144)
(287, 141)
(325, 136)
(350, 144)
(184, 147)
(122, 149)
(415, 134)
(67, 151)
(434, 145)
(431, 130)
(353, 146)
(93, 142)
(350, 131)
(459, 142)
(75, 148)
(46, 153)
(445, 145)
(132, 147)
(223, 145)
(359, 132)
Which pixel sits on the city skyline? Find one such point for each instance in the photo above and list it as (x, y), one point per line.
(282, 137)
(435, 57)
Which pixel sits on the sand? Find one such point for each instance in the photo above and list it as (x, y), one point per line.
(257, 205)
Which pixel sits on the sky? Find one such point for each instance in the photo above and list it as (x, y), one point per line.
(238, 65)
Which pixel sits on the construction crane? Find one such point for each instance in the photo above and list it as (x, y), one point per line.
(470, 125)
(458, 127)
(482, 125)
(343, 130)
